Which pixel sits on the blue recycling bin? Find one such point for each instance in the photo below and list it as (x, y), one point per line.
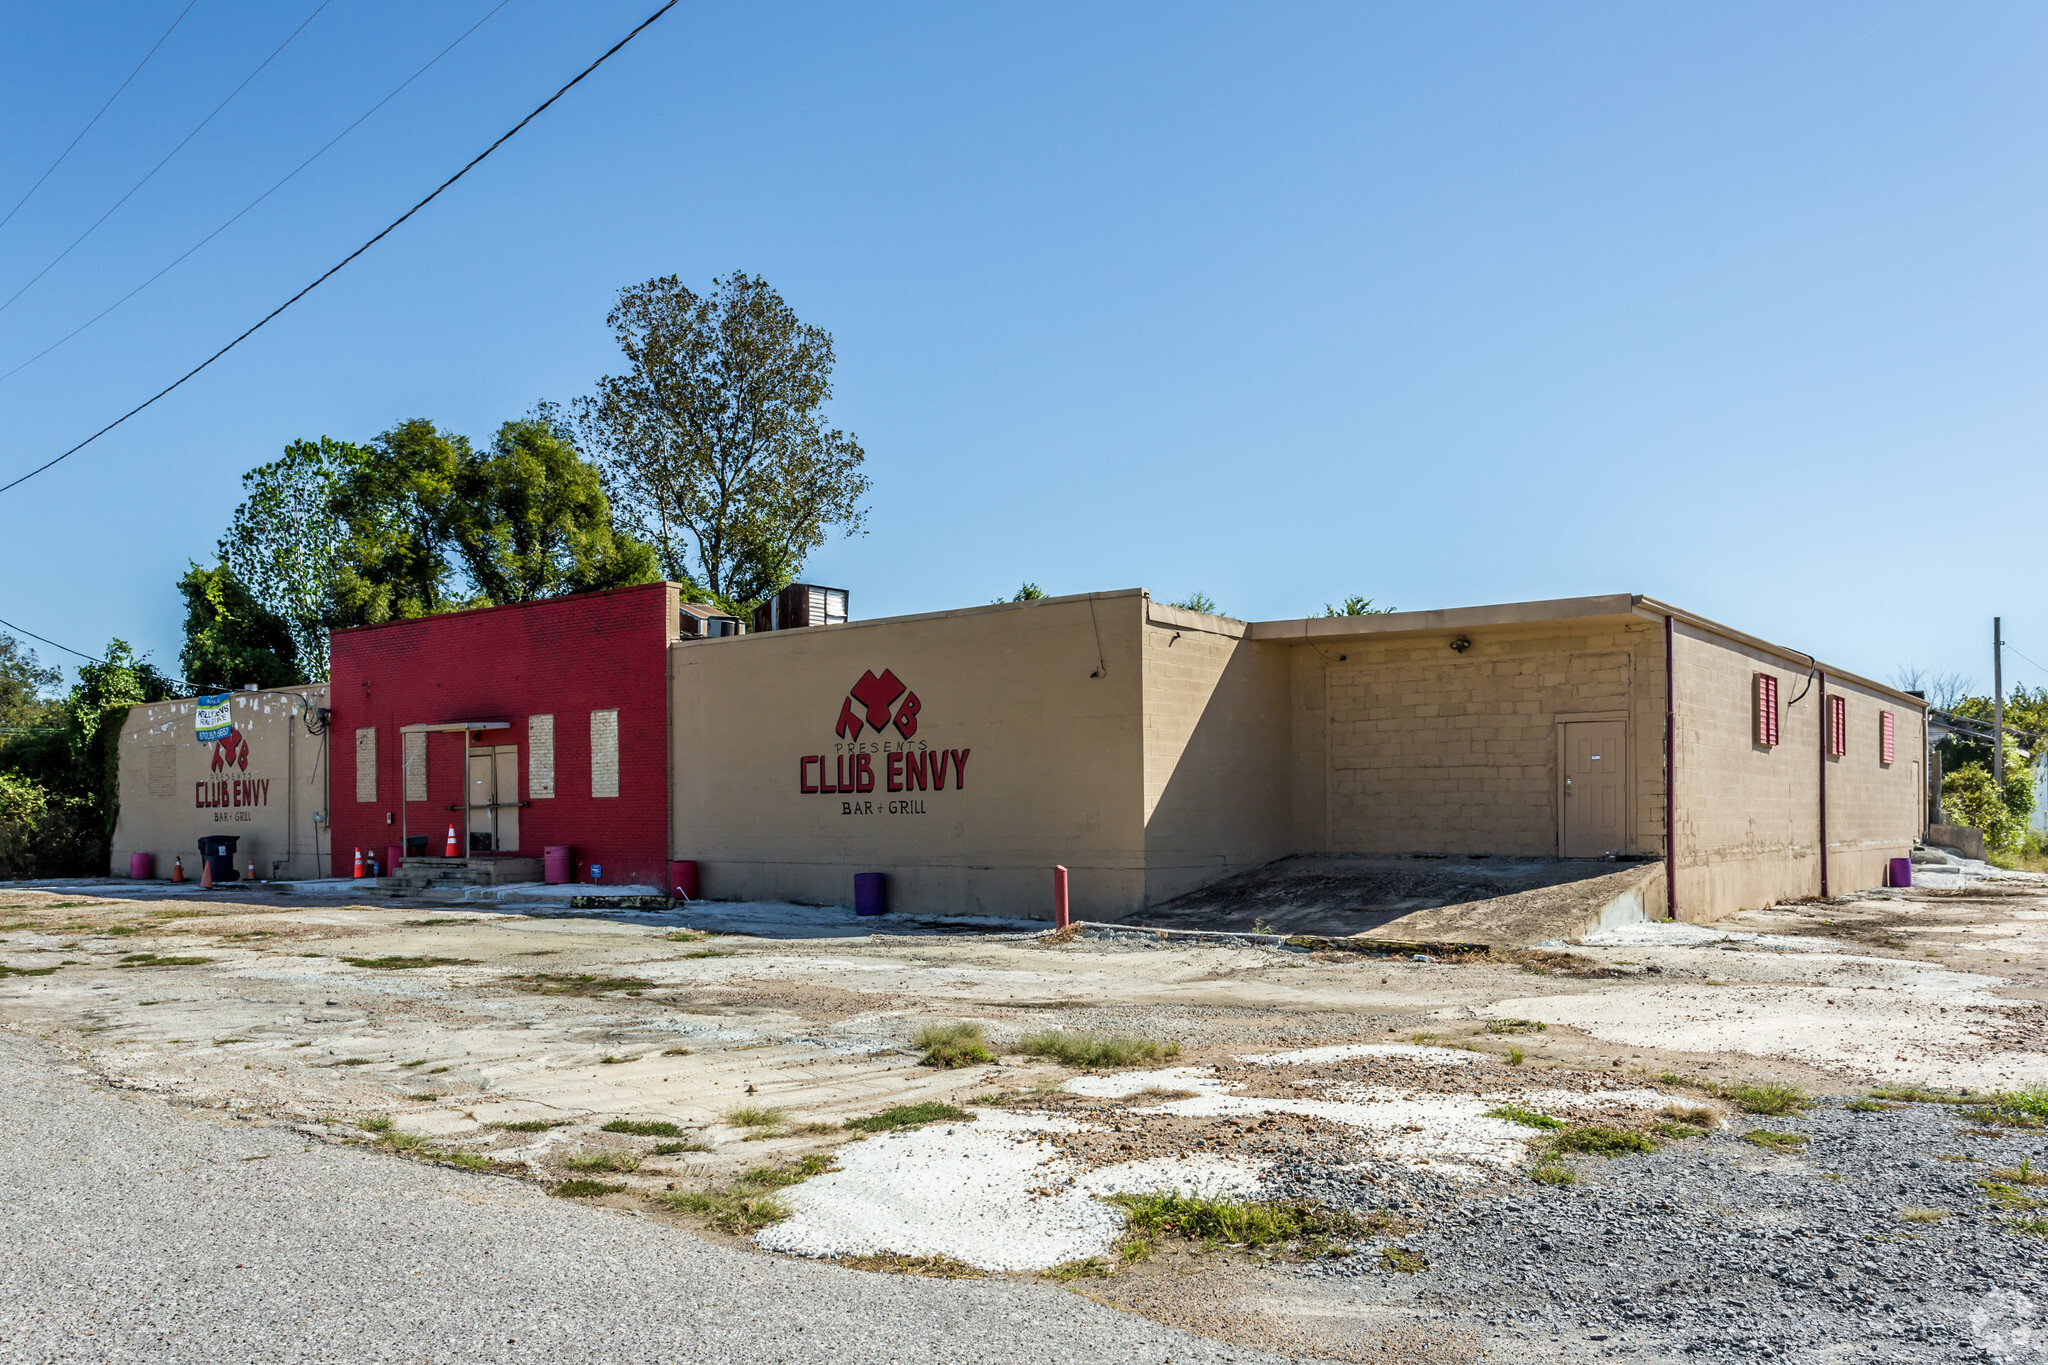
(870, 893)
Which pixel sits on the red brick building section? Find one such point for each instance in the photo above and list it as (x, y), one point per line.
(566, 658)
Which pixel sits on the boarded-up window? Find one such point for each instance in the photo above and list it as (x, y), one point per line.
(163, 772)
(1766, 700)
(415, 765)
(1838, 726)
(604, 753)
(1887, 738)
(366, 764)
(540, 757)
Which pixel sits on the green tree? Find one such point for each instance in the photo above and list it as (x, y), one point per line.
(530, 520)
(1357, 606)
(1030, 592)
(23, 681)
(715, 439)
(231, 639)
(1197, 601)
(395, 502)
(284, 542)
(1971, 797)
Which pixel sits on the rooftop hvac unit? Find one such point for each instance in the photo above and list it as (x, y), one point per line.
(802, 604)
(702, 621)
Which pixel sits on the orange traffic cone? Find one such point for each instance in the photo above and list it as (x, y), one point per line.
(178, 868)
(451, 851)
(205, 872)
(359, 863)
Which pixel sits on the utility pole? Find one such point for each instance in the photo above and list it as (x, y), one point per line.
(1998, 704)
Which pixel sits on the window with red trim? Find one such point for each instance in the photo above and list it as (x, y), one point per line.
(1838, 726)
(1764, 694)
(1887, 738)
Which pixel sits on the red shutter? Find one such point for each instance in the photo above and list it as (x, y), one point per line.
(1838, 726)
(1887, 738)
(1766, 701)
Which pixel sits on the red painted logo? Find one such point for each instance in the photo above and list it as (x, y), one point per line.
(876, 696)
(231, 751)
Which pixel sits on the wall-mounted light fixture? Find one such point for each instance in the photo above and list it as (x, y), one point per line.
(1460, 645)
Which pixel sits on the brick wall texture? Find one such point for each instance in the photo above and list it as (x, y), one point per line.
(567, 658)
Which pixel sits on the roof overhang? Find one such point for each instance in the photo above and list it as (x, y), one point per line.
(452, 727)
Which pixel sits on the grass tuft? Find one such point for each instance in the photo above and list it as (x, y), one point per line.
(584, 1189)
(1250, 1223)
(1923, 1215)
(909, 1116)
(405, 964)
(642, 1127)
(749, 1203)
(1866, 1106)
(1528, 1118)
(530, 1125)
(756, 1116)
(951, 1045)
(933, 1267)
(1087, 1051)
(139, 960)
(1784, 1143)
(1596, 1141)
(1918, 1094)
(602, 1161)
(686, 936)
(1089, 1268)
(1769, 1098)
(380, 1124)
(563, 983)
(687, 1145)
(1551, 1171)
(1515, 1026)
(1516, 1056)
(2031, 1227)
(1402, 1261)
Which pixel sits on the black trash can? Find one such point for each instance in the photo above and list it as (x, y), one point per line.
(219, 852)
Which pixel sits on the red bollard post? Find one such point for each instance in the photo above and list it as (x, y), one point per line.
(1060, 918)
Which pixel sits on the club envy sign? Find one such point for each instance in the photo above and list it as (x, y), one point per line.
(213, 724)
(906, 763)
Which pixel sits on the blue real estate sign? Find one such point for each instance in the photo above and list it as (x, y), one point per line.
(210, 718)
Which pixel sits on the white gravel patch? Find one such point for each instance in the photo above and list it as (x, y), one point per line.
(1344, 1052)
(965, 1192)
(1119, 1084)
(1448, 1133)
(1208, 1176)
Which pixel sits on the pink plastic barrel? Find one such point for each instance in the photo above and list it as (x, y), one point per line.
(142, 866)
(682, 878)
(1901, 872)
(560, 864)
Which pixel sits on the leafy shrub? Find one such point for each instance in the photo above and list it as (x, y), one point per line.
(951, 1045)
(1596, 1141)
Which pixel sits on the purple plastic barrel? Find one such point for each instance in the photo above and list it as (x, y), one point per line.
(142, 866)
(560, 864)
(1901, 872)
(870, 893)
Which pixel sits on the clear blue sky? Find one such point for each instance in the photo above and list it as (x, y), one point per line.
(1740, 306)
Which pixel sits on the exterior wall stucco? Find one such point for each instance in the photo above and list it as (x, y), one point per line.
(1426, 750)
(1218, 726)
(1055, 773)
(171, 795)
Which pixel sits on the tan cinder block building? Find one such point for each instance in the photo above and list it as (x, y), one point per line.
(1153, 750)
(264, 781)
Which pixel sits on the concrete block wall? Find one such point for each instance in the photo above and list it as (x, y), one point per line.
(1217, 728)
(1875, 810)
(1427, 750)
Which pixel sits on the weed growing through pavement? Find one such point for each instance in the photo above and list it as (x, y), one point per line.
(1866, 1106)
(1528, 1118)
(756, 1116)
(1697, 1116)
(1769, 1098)
(602, 1161)
(609, 1060)
(687, 1145)
(909, 1116)
(379, 1124)
(410, 1065)
(1784, 1143)
(1088, 1268)
(223, 1042)
(2026, 1108)
(675, 1052)
(1133, 1250)
(1516, 1056)
(643, 1127)
(1551, 1171)
(2023, 1174)
(7, 971)
(583, 1189)
(563, 983)
(405, 964)
(1592, 1140)
(530, 1125)
(951, 1045)
(355, 1061)
(1515, 1026)
(749, 1203)
(1087, 1051)
(1307, 1227)
(934, 1267)
(139, 960)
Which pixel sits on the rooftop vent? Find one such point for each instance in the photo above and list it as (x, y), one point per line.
(802, 604)
(702, 621)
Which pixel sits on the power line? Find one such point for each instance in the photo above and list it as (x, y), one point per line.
(253, 202)
(96, 117)
(90, 658)
(351, 256)
(2008, 645)
(167, 156)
